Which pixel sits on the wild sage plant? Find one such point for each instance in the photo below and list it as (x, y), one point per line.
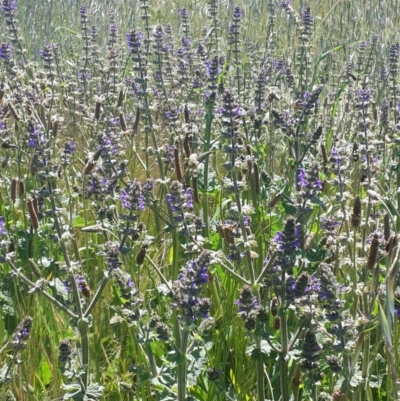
(200, 208)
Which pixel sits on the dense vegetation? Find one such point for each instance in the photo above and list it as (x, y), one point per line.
(199, 201)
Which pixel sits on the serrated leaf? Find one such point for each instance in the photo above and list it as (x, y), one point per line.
(164, 289)
(59, 287)
(94, 391)
(356, 379)
(74, 392)
(5, 376)
(116, 319)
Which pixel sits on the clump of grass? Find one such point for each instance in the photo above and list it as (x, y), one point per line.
(199, 204)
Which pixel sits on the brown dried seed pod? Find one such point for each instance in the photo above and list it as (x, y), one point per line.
(13, 111)
(309, 241)
(54, 130)
(274, 306)
(136, 123)
(249, 163)
(391, 244)
(141, 255)
(374, 111)
(13, 190)
(248, 150)
(97, 155)
(186, 146)
(32, 215)
(356, 216)
(195, 190)
(21, 189)
(122, 122)
(386, 226)
(35, 203)
(85, 288)
(34, 162)
(356, 155)
(228, 234)
(256, 178)
(120, 99)
(177, 162)
(274, 200)
(97, 111)
(11, 245)
(7, 145)
(186, 114)
(277, 323)
(373, 252)
(324, 157)
(89, 166)
(273, 96)
(221, 231)
(339, 395)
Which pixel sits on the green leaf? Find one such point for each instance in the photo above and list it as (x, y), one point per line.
(289, 207)
(356, 353)
(79, 222)
(66, 29)
(198, 393)
(45, 372)
(214, 240)
(385, 327)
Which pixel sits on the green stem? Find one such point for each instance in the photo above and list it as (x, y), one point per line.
(284, 343)
(260, 374)
(182, 366)
(163, 279)
(398, 195)
(207, 145)
(175, 253)
(365, 364)
(98, 293)
(237, 276)
(83, 324)
(32, 285)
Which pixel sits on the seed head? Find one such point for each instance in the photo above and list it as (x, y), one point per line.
(32, 215)
(373, 252)
(356, 216)
(13, 190)
(21, 189)
(64, 350)
(141, 255)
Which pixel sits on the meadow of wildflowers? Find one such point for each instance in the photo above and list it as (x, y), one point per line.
(199, 200)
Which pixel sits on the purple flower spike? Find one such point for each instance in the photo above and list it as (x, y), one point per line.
(2, 226)
(9, 6)
(83, 11)
(238, 13)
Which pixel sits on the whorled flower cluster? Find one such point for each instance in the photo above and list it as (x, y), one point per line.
(187, 289)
